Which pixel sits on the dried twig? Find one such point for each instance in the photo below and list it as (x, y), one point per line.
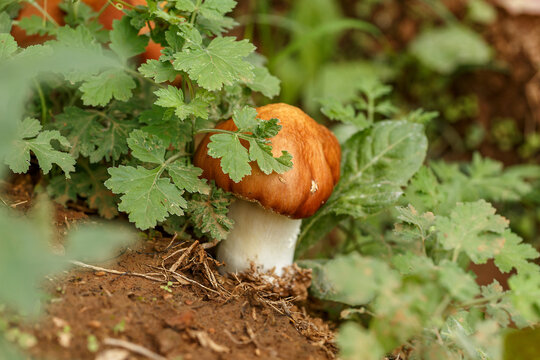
(207, 342)
(138, 349)
(182, 257)
(116, 272)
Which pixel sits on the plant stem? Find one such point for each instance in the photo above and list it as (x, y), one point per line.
(42, 101)
(44, 12)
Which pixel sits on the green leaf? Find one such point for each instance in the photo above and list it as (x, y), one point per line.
(357, 343)
(173, 97)
(262, 154)
(100, 89)
(335, 110)
(80, 127)
(147, 198)
(413, 264)
(215, 9)
(245, 119)
(160, 71)
(515, 254)
(459, 284)
(186, 177)
(146, 147)
(208, 213)
(18, 158)
(185, 5)
(377, 163)
(332, 279)
(97, 242)
(473, 228)
(447, 48)
(220, 63)
(234, 156)
(8, 46)
(125, 41)
(35, 24)
(525, 294)
(500, 308)
(111, 142)
(264, 82)
(5, 23)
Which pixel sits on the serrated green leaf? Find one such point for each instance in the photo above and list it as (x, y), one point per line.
(160, 71)
(262, 154)
(174, 98)
(18, 158)
(245, 119)
(473, 228)
(35, 24)
(234, 156)
(186, 177)
(215, 9)
(148, 198)
(146, 147)
(525, 294)
(185, 5)
(5, 23)
(410, 263)
(100, 89)
(208, 214)
(264, 82)
(125, 41)
(447, 48)
(8, 46)
(332, 279)
(111, 142)
(499, 307)
(515, 254)
(459, 284)
(267, 129)
(220, 63)
(80, 127)
(335, 110)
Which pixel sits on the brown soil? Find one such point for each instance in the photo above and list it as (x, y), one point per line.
(196, 319)
(167, 296)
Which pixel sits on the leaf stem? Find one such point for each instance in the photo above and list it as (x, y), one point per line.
(43, 12)
(42, 101)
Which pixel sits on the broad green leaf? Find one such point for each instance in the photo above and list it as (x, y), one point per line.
(169, 97)
(146, 147)
(234, 156)
(215, 9)
(186, 177)
(267, 128)
(5, 23)
(8, 46)
(262, 154)
(220, 63)
(185, 5)
(264, 82)
(457, 282)
(447, 48)
(515, 254)
(18, 157)
(413, 264)
(147, 198)
(97, 242)
(377, 163)
(335, 110)
(160, 71)
(208, 214)
(350, 279)
(124, 40)
(357, 343)
(100, 89)
(473, 228)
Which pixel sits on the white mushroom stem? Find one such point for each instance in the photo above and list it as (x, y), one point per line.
(260, 236)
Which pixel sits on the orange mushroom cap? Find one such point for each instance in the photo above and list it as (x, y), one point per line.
(299, 192)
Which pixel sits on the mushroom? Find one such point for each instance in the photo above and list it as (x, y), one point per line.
(269, 208)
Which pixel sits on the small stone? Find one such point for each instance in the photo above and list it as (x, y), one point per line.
(167, 296)
(94, 324)
(212, 331)
(167, 340)
(188, 302)
(100, 273)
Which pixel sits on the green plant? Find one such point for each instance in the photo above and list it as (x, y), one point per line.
(410, 287)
